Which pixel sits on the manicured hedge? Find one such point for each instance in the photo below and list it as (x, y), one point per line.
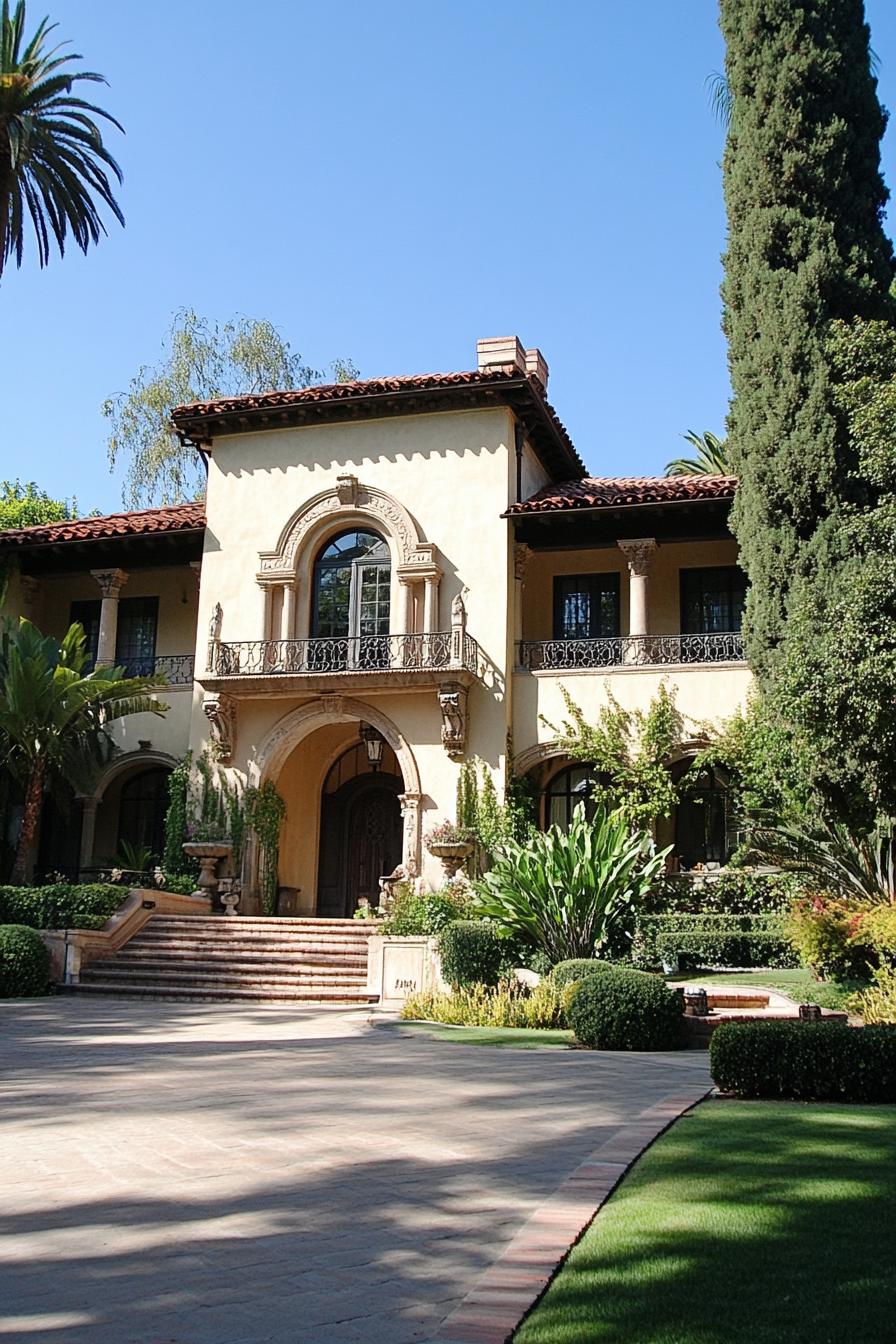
(626, 1010)
(713, 940)
(64, 905)
(24, 962)
(471, 953)
(566, 972)
(734, 891)
(805, 1061)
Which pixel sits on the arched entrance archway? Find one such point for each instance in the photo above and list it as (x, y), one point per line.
(301, 766)
(360, 831)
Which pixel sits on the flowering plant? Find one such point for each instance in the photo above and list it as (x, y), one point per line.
(448, 833)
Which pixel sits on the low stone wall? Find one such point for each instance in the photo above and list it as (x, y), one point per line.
(399, 967)
(70, 949)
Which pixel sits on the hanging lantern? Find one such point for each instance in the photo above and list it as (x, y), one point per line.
(374, 743)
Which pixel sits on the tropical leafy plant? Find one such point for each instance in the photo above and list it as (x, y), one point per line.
(861, 866)
(711, 456)
(54, 717)
(564, 891)
(135, 858)
(54, 166)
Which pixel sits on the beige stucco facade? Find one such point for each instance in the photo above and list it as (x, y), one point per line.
(434, 486)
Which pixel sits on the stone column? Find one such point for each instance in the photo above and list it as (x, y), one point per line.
(88, 831)
(111, 582)
(639, 553)
(31, 593)
(410, 815)
(408, 603)
(288, 614)
(431, 604)
(266, 604)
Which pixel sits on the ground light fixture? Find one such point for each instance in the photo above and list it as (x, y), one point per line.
(374, 743)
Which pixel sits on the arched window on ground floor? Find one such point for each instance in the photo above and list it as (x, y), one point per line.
(703, 822)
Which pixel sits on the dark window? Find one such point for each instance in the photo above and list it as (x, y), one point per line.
(712, 599)
(702, 822)
(565, 791)
(88, 615)
(141, 813)
(586, 606)
(135, 645)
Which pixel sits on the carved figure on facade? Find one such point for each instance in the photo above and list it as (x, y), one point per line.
(347, 489)
(220, 710)
(458, 610)
(214, 625)
(522, 555)
(453, 705)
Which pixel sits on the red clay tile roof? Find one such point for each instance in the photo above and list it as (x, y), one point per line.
(333, 392)
(202, 420)
(606, 492)
(174, 518)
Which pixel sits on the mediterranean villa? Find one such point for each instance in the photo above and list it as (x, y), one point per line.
(386, 578)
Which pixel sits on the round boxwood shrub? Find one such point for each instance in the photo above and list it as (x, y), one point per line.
(565, 972)
(626, 1010)
(472, 953)
(24, 962)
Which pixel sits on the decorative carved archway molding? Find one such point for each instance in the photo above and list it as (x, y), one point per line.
(130, 761)
(298, 724)
(542, 751)
(346, 503)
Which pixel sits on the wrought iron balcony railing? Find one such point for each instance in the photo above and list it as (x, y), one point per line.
(452, 650)
(564, 655)
(177, 667)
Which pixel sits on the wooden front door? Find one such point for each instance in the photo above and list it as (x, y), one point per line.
(360, 842)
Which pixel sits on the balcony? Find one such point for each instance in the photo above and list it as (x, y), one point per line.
(389, 660)
(572, 655)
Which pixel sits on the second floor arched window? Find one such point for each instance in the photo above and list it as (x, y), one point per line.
(351, 587)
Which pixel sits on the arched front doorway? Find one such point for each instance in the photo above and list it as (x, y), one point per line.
(360, 831)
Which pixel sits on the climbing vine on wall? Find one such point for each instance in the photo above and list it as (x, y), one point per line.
(176, 818)
(264, 812)
(629, 751)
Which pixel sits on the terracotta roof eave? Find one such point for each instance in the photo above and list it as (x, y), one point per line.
(200, 422)
(179, 520)
(520, 510)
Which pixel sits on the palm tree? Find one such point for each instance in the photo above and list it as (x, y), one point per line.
(53, 163)
(54, 716)
(711, 460)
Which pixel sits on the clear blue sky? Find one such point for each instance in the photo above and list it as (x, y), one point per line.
(388, 180)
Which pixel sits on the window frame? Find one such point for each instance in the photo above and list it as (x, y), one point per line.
(596, 585)
(698, 575)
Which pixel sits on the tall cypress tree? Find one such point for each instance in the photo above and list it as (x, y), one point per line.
(805, 200)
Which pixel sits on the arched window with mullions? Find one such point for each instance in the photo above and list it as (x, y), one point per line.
(351, 587)
(565, 791)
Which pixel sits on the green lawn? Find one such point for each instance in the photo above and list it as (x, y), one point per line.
(798, 985)
(505, 1038)
(747, 1223)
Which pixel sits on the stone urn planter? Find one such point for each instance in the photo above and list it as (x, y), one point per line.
(209, 853)
(453, 854)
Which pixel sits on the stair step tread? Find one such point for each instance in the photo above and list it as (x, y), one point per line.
(105, 969)
(305, 995)
(242, 958)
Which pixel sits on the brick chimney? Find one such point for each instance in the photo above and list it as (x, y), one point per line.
(500, 352)
(537, 366)
(506, 352)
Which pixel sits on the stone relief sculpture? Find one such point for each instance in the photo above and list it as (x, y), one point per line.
(214, 625)
(453, 704)
(220, 710)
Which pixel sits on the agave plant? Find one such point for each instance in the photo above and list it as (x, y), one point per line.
(564, 891)
(858, 865)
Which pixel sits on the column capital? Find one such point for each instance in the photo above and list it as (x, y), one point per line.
(111, 581)
(639, 552)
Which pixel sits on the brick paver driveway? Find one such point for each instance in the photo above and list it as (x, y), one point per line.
(210, 1174)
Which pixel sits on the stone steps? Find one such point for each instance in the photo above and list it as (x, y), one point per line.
(216, 958)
